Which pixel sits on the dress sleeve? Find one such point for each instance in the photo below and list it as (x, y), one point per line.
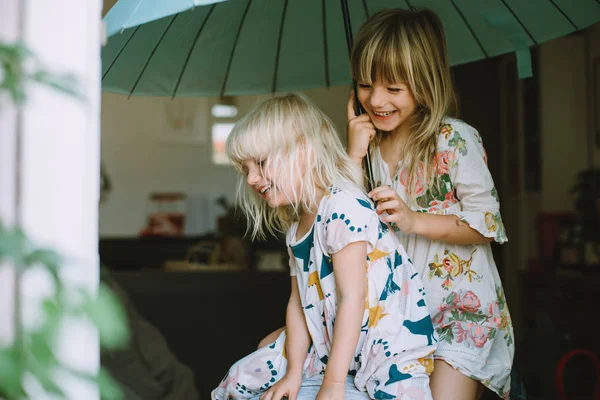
(474, 184)
(347, 218)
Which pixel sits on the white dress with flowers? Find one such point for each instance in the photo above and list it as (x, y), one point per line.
(464, 291)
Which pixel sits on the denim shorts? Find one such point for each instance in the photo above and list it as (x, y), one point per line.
(310, 387)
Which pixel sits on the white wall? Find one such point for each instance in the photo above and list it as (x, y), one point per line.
(563, 118)
(139, 162)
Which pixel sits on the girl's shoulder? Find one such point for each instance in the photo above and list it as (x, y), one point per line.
(457, 134)
(347, 195)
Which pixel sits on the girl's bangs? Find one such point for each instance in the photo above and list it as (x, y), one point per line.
(380, 58)
(256, 138)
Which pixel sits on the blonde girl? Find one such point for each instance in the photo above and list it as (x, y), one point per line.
(357, 324)
(436, 191)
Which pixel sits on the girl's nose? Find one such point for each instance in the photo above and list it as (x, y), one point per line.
(253, 177)
(377, 98)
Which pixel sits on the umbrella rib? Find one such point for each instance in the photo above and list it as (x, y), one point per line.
(187, 59)
(519, 21)
(237, 37)
(560, 10)
(470, 28)
(152, 55)
(327, 82)
(120, 51)
(278, 52)
(366, 9)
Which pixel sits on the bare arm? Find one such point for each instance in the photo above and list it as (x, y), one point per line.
(349, 272)
(298, 339)
(296, 346)
(445, 228)
(448, 229)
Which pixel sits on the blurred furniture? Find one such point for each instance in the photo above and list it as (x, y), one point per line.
(209, 320)
(146, 369)
(559, 309)
(136, 253)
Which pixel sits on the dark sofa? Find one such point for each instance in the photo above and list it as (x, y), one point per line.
(209, 320)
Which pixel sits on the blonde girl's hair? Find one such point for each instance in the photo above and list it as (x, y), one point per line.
(409, 46)
(281, 132)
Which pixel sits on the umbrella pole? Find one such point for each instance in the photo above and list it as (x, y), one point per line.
(358, 110)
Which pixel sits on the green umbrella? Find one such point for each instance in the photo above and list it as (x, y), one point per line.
(241, 47)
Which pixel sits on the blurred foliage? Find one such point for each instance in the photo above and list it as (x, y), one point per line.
(32, 352)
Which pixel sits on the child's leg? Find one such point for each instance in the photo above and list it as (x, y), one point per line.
(449, 384)
(254, 374)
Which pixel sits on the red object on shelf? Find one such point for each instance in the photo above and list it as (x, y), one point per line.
(549, 224)
(166, 215)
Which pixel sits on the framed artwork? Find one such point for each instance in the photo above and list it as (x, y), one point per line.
(184, 121)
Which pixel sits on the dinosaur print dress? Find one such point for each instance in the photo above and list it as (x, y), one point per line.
(464, 292)
(394, 355)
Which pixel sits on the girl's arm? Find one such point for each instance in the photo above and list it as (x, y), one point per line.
(445, 228)
(298, 339)
(296, 346)
(350, 279)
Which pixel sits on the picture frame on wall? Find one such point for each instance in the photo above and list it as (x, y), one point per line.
(184, 121)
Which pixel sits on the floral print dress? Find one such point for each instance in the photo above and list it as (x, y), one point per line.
(394, 355)
(464, 291)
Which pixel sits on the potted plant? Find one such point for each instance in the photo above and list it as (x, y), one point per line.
(587, 207)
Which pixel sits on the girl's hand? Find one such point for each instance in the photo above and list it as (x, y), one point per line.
(398, 213)
(360, 132)
(332, 391)
(288, 386)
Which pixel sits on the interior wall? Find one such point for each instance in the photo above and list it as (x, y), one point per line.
(593, 60)
(563, 118)
(139, 161)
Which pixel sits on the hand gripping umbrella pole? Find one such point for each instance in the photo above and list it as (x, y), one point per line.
(358, 110)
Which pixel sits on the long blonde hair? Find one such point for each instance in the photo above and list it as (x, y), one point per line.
(284, 130)
(409, 46)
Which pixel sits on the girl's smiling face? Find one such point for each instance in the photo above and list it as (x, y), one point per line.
(277, 184)
(389, 105)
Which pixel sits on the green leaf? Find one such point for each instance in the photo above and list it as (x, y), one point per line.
(44, 375)
(424, 200)
(445, 334)
(11, 373)
(12, 245)
(474, 317)
(40, 349)
(109, 388)
(456, 316)
(64, 83)
(450, 298)
(49, 258)
(109, 317)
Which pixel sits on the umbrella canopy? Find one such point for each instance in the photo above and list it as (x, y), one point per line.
(131, 13)
(241, 47)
